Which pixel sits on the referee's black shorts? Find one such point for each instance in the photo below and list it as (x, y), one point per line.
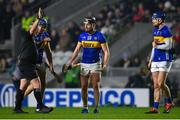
(27, 70)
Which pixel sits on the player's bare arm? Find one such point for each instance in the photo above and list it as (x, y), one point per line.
(105, 49)
(75, 53)
(48, 52)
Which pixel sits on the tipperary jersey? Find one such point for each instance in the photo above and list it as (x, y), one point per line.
(164, 41)
(39, 39)
(91, 44)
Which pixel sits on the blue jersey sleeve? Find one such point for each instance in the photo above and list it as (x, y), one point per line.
(45, 35)
(102, 38)
(166, 33)
(40, 37)
(80, 38)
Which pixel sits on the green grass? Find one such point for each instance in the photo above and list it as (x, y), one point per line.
(105, 113)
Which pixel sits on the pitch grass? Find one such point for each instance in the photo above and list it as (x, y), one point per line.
(105, 113)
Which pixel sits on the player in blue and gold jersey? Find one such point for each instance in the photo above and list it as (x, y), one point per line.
(93, 43)
(161, 60)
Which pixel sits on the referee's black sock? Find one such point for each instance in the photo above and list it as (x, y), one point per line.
(37, 94)
(16, 84)
(19, 99)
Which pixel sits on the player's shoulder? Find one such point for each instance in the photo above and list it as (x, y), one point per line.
(44, 36)
(166, 31)
(165, 28)
(82, 35)
(99, 33)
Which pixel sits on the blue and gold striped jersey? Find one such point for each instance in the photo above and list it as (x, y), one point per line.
(39, 40)
(91, 44)
(164, 41)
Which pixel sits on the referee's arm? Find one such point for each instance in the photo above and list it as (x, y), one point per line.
(35, 24)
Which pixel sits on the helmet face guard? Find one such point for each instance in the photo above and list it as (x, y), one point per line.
(92, 22)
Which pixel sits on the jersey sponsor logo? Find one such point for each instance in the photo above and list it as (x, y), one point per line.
(91, 44)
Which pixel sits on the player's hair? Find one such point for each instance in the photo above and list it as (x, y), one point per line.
(90, 20)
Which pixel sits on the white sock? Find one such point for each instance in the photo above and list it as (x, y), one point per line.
(85, 107)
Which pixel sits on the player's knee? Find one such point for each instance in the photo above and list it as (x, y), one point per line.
(35, 83)
(160, 85)
(157, 86)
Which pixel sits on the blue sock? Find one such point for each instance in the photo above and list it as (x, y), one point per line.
(155, 105)
(168, 100)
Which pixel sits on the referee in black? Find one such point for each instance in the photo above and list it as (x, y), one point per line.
(27, 67)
